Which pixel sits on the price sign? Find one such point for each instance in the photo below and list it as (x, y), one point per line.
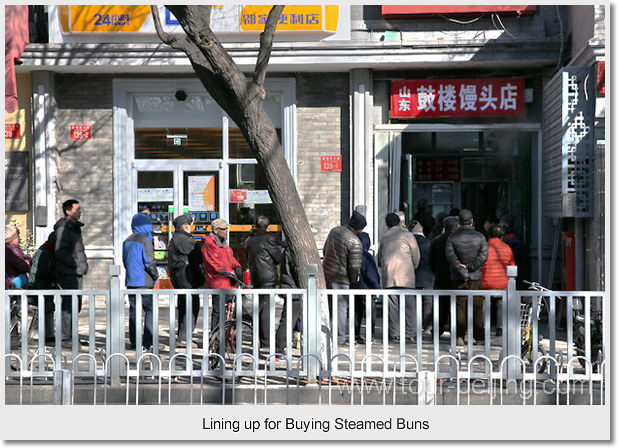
(330, 163)
(12, 130)
(81, 131)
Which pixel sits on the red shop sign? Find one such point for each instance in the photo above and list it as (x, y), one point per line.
(438, 169)
(330, 163)
(81, 131)
(12, 130)
(483, 97)
(238, 196)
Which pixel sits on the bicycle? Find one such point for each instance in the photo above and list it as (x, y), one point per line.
(230, 333)
(526, 329)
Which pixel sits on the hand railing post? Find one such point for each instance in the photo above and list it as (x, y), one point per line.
(512, 331)
(115, 325)
(314, 323)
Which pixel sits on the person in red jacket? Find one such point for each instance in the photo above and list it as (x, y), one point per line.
(218, 259)
(493, 276)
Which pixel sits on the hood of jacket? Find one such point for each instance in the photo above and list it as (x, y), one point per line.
(142, 225)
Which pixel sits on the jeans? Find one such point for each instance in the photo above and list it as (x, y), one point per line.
(148, 322)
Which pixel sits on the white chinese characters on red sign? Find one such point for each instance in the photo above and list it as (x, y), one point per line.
(80, 131)
(330, 163)
(12, 130)
(458, 97)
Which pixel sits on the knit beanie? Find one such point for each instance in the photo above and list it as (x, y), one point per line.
(357, 221)
(392, 220)
(10, 233)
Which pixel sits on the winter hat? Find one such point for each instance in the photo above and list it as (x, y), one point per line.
(465, 217)
(357, 221)
(415, 227)
(219, 224)
(182, 219)
(508, 220)
(392, 220)
(10, 233)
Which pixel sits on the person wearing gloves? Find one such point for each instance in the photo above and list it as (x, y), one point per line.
(219, 261)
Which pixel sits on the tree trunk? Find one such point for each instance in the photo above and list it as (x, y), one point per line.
(242, 99)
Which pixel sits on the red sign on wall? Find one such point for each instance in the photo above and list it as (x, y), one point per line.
(238, 196)
(405, 10)
(12, 130)
(330, 163)
(81, 131)
(483, 97)
(434, 169)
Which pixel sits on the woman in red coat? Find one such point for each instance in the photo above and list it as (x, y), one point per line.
(493, 276)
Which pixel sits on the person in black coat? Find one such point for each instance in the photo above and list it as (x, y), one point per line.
(440, 268)
(264, 252)
(184, 260)
(424, 275)
(288, 282)
(369, 279)
(43, 276)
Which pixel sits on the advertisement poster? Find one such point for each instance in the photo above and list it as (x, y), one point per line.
(202, 193)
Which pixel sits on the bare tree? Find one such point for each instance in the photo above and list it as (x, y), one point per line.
(242, 98)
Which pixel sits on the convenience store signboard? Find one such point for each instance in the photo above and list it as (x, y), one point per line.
(225, 19)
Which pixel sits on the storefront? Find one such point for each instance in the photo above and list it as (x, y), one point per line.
(176, 151)
(442, 145)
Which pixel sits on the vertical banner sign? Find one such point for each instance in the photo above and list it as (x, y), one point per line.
(80, 131)
(482, 97)
(16, 180)
(202, 193)
(330, 163)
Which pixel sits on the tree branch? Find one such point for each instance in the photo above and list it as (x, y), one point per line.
(266, 44)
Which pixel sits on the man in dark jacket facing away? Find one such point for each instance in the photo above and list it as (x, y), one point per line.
(263, 253)
(343, 255)
(424, 275)
(184, 259)
(441, 269)
(71, 262)
(139, 261)
(466, 251)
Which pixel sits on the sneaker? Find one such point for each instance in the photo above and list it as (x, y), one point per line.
(460, 341)
(411, 339)
(184, 344)
(393, 338)
(499, 331)
(360, 341)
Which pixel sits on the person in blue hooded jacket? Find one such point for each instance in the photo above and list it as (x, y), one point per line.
(139, 262)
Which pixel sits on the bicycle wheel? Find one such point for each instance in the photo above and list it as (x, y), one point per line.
(230, 345)
(526, 355)
(245, 337)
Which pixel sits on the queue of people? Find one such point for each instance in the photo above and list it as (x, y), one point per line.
(443, 253)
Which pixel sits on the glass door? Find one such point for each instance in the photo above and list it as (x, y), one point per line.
(166, 189)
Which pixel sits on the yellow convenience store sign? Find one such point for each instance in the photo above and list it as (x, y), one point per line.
(225, 19)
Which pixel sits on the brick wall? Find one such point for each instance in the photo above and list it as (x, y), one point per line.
(323, 129)
(84, 167)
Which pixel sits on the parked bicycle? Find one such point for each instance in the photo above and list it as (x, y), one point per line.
(237, 335)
